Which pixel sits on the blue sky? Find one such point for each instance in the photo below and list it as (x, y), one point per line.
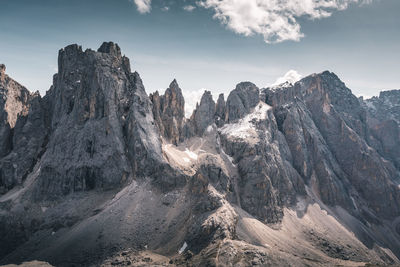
(215, 45)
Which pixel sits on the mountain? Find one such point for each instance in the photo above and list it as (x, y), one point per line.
(99, 173)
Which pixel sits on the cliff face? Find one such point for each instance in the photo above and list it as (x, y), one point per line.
(383, 115)
(338, 123)
(98, 172)
(102, 129)
(22, 131)
(169, 112)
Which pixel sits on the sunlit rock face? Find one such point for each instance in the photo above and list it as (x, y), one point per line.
(169, 112)
(98, 172)
(22, 131)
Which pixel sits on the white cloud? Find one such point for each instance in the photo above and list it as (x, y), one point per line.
(191, 99)
(275, 20)
(143, 6)
(166, 8)
(189, 8)
(291, 76)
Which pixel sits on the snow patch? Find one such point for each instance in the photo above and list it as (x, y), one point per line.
(191, 154)
(182, 249)
(281, 86)
(354, 203)
(182, 158)
(245, 127)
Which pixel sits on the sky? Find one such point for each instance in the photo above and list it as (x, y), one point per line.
(210, 44)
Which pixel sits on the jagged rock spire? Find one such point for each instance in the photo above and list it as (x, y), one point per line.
(94, 130)
(203, 116)
(220, 110)
(110, 48)
(169, 112)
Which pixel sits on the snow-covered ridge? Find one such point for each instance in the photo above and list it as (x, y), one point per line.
(284, 85)
(245, 127)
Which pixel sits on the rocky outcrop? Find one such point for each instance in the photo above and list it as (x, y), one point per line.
(300, 174)
(241, 100)
(169, 112)
(267, 183)
(14, 99)
(341, 122)
(22, 131)
(220, 111)
(204, 114)
(98, 105)
(383, 119)
(29, 139)
(384, 107)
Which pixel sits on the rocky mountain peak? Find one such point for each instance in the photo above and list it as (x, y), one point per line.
(169, 112)
(110, 48)
(241, 100)
(294, 176)
(70, 51)
(14, 99)
(203, 115)
(174, 85)
(175, 96)
(220, 111)
(206, 98)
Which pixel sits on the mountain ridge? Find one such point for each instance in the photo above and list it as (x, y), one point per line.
(98, 159)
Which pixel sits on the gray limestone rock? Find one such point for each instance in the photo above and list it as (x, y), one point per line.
(96, 172)
(383, 119)
(341, 122)
(220, 111)
(203, 115)
(241, 100)
(21, 131)
(169, 112)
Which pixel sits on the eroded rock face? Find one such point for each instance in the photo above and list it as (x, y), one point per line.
(204, 114)
(340, 136)
(298, 174)
(384, 107)
(14, 99)
(267, 183)
(22, 131)
(241, 100)
(102, 132)
(169, 112)
(29, 140)
(220, 111)
(383, 119)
